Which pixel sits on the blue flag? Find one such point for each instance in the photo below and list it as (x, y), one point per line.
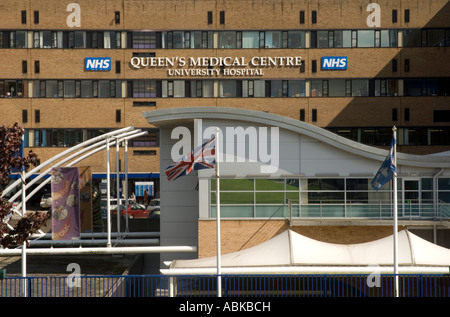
(387, 169)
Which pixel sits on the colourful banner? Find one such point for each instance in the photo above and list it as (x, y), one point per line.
(66, 224)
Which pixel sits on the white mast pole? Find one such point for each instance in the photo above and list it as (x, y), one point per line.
(219, 278)
(394, 129)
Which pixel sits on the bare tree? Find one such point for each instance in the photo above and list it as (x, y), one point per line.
(10, 145)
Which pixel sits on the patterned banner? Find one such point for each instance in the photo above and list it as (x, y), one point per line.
(66, 224)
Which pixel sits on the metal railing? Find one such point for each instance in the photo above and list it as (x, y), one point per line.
(380, 210)
(343, 285)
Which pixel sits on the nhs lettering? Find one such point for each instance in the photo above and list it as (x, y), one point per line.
(97, 63)
(334, 62)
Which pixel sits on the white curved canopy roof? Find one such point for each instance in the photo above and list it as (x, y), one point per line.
(171, 116)
(290, 252)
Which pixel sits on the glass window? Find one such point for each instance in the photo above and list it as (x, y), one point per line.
(360, 87)
(178, 39)
(250, 39)
(413, 87)
(208, 88)
(227, 39)
(389, 38)
(316, 88)
(80, 39)
(104, 89)
(412, 37)
(69, 88)
(296, 39)
(277, 89)
(366, 38)
(51, 90)
(21, 39)
(269, 184)
(436, 37)
(296, 88)
(274, 39)
(336, 88)
(227, 88)
(144, 39)
(233, 184)
(322, 39)
(199, 39)
(338, 40)
(178, 88)
(86, 89)
(439, 136)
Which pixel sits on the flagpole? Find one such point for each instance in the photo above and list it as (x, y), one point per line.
(219, 278)
(394, 180)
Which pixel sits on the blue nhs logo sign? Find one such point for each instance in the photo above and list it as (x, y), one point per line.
(97, 63)
(334, 62)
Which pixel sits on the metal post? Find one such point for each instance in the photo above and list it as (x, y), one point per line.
(126, 184)
(219, 278)
(24, 245)
(118, 185)
(108, 193)
(394, 129)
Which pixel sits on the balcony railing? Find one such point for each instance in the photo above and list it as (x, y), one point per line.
(380, 210)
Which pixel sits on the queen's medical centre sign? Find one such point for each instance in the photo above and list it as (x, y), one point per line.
(182, 66)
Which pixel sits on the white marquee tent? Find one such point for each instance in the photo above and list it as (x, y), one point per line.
(292, 253)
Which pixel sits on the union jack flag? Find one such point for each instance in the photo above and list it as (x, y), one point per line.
(201, 157)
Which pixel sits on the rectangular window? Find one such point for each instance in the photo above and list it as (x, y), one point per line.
(412, 37)
(394, 114)
(360, 87)
(324, 88)
(441, 116)
(274, 39)
(227, 39)
(222, 17)
(336, 87)
(144, 152)
(118, 116)
(250, 39)
(394, 65)
(354, 38)
(117, 17)
(37, 116)
(406, 15)
(302, 114)
(24, 67)
(314, 115)
(316, 88)
(406, 114)
(406, 65)
(296, 39)
(366, 38)
(23, 15)
(86, 89)
(394, 16)
(313, 66)
(36, 17)
(302, 17)
(210, 17)
(227, 88)
(37, 67)
(24, 116)
(314, 17)
(117, 67)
